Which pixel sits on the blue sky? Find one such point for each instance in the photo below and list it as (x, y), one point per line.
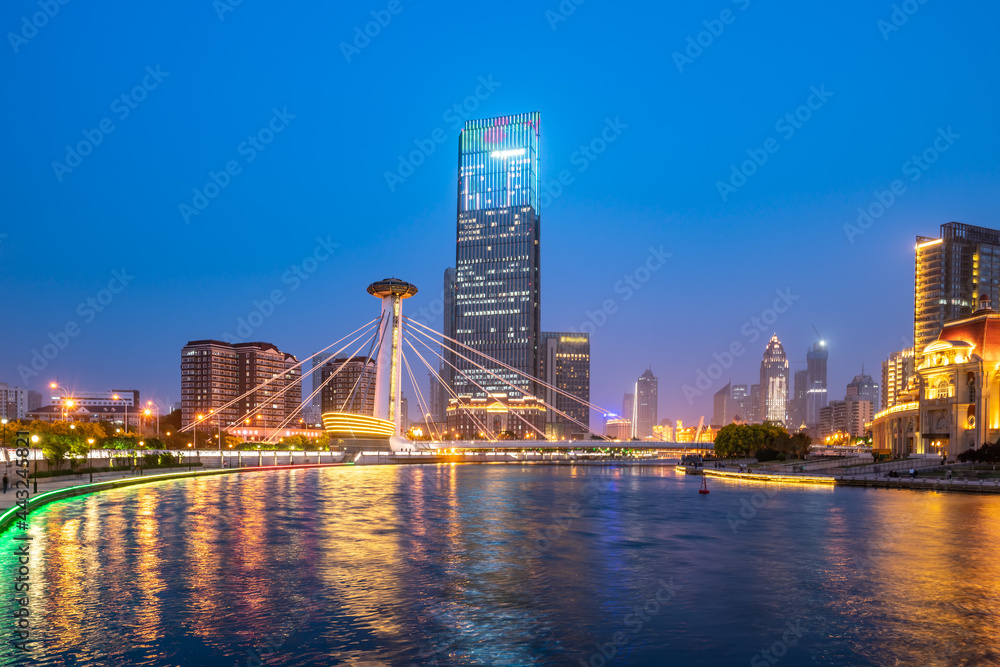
(337, 123)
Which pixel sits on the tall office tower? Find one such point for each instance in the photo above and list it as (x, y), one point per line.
(497, 252)
(864, 388)
(628, 407)
(896, 373)
(34, 400)
(950, 274)
(259, 363)
(741, 399)
(404, 414)
(755, 404)
(774, 381)
(448, 328)
(210, 371)
(816, 394)
(722, 406)
(564, 362)
(352, 389)
(646, 399)
(797, 409)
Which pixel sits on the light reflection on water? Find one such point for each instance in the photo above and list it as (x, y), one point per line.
(492, 565)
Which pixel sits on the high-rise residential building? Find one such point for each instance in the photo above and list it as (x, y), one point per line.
(741, 399)
(215, 373)
(756, 403)
(564, 362)
(352, 389)
(859, 413)
(896, 373)
(864, 388)
(13, 402)
(645, 407)
(316, 376)
(774, 382)
(293, 394)
(266, 407)
(210, 372)
(497, 297)
(797, 405)
(834, 417)
(816, 390)
(951, 273)
(723, 407)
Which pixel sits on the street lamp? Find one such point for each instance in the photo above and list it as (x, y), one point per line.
(124, 403)
(157, 409)
(66, 400)
(90, 441)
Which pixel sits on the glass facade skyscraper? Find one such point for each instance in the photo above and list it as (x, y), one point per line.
(774, 382)
(496, 288)
(816, 395)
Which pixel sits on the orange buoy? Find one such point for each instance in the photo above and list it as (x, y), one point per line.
(704, 485)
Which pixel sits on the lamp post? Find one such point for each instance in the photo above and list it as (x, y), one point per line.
(34, 440)
(157, 409)
(90, 441)
(125, 404)
(66, 399)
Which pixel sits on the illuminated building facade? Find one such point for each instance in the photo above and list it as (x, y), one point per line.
(259, 363)
(797, 404)
(496, 294)
(564, 362)
(863, 387)
(618, 428)
(741, 398)
(834, 418)
(816, 390)
(896, 373)
(210, 371)
(859, 414)
(755, 404)
(645, 409)
(496, 417)
(951, 273)
(954, 404)
(774, 382)
(13, 402)
(352, 389)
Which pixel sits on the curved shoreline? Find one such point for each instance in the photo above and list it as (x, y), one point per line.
(9, 516)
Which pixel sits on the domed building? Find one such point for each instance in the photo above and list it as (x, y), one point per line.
(952, 403)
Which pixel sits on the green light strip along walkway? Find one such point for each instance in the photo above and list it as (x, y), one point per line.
(35, 502)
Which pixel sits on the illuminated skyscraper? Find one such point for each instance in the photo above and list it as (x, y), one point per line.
(816, 394)
(950, 274)
(645, 406)
(896, 373)
(774, 382)
(864, 388)
(496, 308)
(565, 363)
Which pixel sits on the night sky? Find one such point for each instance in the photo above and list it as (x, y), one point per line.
(308, 119)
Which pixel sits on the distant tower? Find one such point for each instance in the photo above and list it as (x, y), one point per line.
(392, 291)
(646, 390)
(774, 382)
(863, 387)
(816, 394)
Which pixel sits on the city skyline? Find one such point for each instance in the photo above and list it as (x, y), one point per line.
(212, 282)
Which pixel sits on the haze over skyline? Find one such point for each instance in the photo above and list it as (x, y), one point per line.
(318, 204)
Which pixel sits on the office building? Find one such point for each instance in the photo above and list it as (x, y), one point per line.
(951, 273)
(859, 414)
(741, 400)
(352, 387)
(498, 417)
(756, 411)
(564, 363)
(497, 297)
(618, 428)
(724, 408)
(797, 405)
(896, 373)
(833, 419)
(863, 387)
(774, 382)
(628, 406)
(816, 388)
(645, 407)
(34, 400)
